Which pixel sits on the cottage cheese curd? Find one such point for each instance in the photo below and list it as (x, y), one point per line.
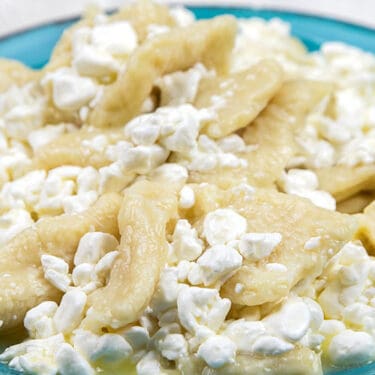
(304, 183)
(189, 325)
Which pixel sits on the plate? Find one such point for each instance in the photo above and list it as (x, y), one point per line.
(33, 47)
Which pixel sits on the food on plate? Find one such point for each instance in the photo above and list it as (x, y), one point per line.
(235, 106)
(268, 144)
(146, 210)
(140, 15)
(36, 260)
(348, 180)
(356, 203)
(73, 149)
(165, 53)
(187, 197)
(14, 72)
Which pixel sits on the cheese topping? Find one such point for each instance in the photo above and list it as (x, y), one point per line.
(189, 324)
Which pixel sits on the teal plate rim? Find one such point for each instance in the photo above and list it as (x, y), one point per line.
(33, 46)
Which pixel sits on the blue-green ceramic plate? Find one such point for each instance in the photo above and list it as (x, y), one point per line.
(33, 47)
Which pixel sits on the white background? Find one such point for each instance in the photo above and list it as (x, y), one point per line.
(16, 15)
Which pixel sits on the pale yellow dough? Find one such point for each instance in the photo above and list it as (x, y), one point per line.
(264, 105)
(209, 42)
(244, 95)
(141, 14)
(59, 236)
(72, 149)
(146, 211)
(343, 182)
(300, 361)
(270, 211)
(272, 135)
(15, 73)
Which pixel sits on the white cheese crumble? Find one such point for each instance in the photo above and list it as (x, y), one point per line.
(116, 38)
(149, 364)
(168, 133)
(244, 333)
(304, 183)
(137, 337)
(176, 129)
(56, 271)
(23, 192)
(348, 273)
(111, 348)
(346, 300)
(93, 246)
(292, 321)
(201, 310)
(34, 356)
(223, 225)
(143, 159)
(256, 246)
(186, 245)
(142, 132)
(70, 362)
(331, 327)
(182, 16)
(104, 265)
(181, 87)
(171, 172)
(351, 348)
(217, 263)
(70, 91)
(173, 346)
(217, 351)
(38, 320)
(64, 189)
(187, 197)
(232, 143)
(185, 321)
(99, 51)
(339, 131)
(93, 62)
(168, 290)
(70, 311)
(85, 278)
(271, 345)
